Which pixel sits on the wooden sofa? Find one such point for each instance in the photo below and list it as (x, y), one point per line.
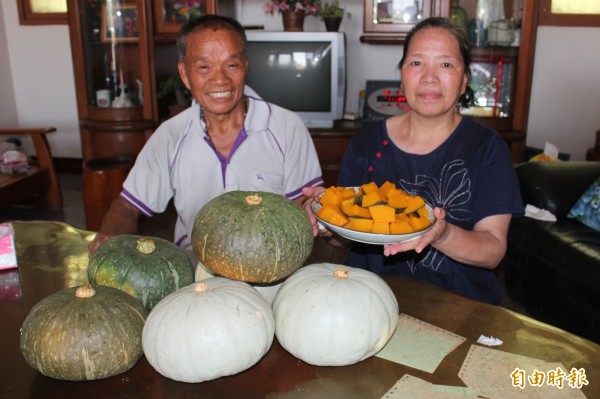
(40, 181)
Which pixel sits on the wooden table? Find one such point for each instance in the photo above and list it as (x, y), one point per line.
(53, 256)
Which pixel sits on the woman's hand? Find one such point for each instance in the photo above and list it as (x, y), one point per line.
(420, 243)
(311, 193)
(483, 246)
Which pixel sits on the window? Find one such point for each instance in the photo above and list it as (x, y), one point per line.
(570, 13)
(42, 12)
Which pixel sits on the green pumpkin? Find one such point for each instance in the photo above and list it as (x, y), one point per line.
(256, 237)
(84, 333)
(147, 268)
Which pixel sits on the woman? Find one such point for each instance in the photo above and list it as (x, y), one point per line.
(462, 168)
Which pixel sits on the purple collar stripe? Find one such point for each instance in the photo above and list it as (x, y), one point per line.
(242, 135)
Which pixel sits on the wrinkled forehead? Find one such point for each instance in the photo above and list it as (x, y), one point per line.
(434, 39)
(227, 36)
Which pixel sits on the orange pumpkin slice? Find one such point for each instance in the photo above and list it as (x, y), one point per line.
(382, 213)
(418, 222)
(380, 228)
(413, 204)
(369, 187)
(332, 215)
(360, 224)
(372, 198)
(400, 227)
(332, 197)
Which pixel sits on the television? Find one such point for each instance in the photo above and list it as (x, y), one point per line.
(304, 72)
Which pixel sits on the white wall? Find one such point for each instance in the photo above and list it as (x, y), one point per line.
(39, 58)
(565, 97)
(8, 108)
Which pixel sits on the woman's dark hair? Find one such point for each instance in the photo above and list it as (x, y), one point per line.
(466, 99)
(209, 21)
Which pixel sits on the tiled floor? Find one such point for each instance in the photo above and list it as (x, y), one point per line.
(161, 226)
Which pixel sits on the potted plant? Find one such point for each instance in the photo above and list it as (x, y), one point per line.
(293, 12)
(332, 14)
(175, 93)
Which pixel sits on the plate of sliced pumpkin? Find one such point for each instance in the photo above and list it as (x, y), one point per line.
(373, 214)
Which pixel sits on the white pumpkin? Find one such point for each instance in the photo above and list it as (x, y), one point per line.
(268, 290)
(333, 315)
(207, 330)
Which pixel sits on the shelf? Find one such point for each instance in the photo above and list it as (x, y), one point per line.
(500, 51)
(382, 39)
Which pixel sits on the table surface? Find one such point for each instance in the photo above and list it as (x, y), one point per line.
(53, 256)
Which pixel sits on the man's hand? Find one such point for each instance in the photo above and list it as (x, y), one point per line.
(98, 240)
(121, 218)
(311, 193)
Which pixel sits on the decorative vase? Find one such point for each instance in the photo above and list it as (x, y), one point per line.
(292, 21)
(332, 24)
(458, 14)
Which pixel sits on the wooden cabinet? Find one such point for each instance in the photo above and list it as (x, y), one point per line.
(112, 52)
(509, 68)
(122, 50)
(514, 123)
(113, 44)
(331, 144)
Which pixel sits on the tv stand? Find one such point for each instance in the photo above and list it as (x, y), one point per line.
(319, 123)
(331, 144)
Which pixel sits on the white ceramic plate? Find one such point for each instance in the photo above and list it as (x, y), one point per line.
(369, 238)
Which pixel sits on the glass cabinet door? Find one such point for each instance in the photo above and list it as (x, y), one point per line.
(492, 81)
(111, 59)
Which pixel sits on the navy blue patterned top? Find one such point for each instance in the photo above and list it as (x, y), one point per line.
(471, 176)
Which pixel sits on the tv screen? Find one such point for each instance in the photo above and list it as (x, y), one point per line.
(301, 71)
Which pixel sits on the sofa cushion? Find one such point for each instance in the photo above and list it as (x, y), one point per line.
(587, 207)
(556, 186)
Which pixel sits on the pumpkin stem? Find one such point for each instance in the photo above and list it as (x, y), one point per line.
(145, 245)
(85, 291)
(201, 287)
(253, 199)
(340, 272)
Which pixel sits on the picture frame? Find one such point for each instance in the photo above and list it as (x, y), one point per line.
(119, 24)
(169, 15)
(35, 12)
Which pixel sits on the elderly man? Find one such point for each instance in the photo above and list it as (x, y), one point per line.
(229, 139)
